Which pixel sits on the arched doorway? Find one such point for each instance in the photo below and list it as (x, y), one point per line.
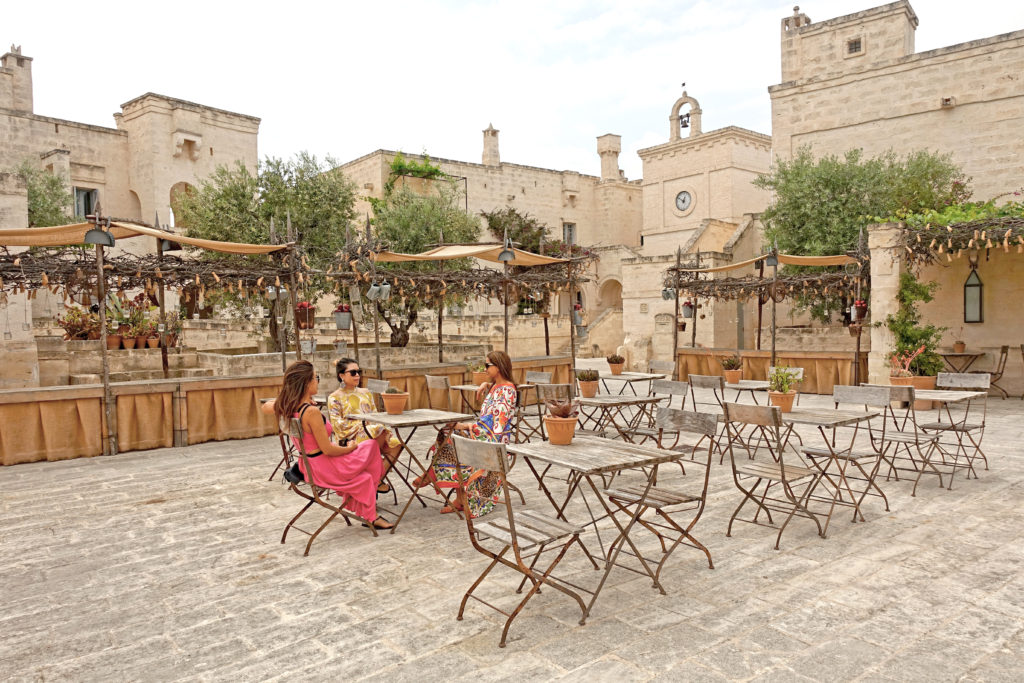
(610, 294)
(177, 190)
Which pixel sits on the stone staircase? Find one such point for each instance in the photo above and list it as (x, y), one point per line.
(81, 362)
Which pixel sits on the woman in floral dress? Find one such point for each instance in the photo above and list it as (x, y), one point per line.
(350, 398)
(495, 424)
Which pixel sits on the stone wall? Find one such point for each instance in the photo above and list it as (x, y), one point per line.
(966, 99)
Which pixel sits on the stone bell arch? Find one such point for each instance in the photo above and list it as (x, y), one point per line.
(692, 117)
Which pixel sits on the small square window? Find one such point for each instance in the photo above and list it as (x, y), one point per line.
(853, 46)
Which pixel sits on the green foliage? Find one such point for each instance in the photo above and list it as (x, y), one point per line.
(615, 359)
(49, 199)
(587, 375)
(908, 332)
(960, 213)
(524, 230)
(820, 205)
(733, 362)
(400, 166)
(782, 380)
(236, 206)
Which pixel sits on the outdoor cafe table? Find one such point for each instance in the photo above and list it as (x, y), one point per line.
(828, 461)
(412, 420)
(611, 411)
(588, 458)
(750, 385)
(959, 362)
(630, 378)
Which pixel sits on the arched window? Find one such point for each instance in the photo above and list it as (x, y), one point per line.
(973, 308)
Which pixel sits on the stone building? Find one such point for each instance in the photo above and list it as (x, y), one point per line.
(602, 212)
(158, 147)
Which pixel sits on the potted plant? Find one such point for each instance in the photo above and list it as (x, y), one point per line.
(305, 315)
(733, 367)
(782, 388)
(560, 422)
(479, 372)
(394, 401)
(899, 367)
(615, 363)
(588, 380)
(860, 309)
(75, 323)
(138, 333)
(175, 325)
(308, 346)
(913, 338)
(687, 309)
(959, 346)
(577, 314)
(343, 317)
(113, 336)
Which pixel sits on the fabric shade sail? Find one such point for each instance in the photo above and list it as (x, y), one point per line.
(486, 252)
(62, 235)
(784, 259)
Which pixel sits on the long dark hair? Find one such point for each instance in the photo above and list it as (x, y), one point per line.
(296, 378)
(342, 366)
(503, 363)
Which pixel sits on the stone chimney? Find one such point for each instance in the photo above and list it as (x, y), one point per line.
(608, 147)
(16, 81)
(491, 157)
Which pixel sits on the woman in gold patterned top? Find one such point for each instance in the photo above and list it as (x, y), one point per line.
(351, 398)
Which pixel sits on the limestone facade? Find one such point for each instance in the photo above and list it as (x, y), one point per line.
(855, 81)
(159, 146)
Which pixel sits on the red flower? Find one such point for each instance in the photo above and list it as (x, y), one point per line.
(303, 305)
(343, 308)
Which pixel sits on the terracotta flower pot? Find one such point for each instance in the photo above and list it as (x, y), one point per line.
(93, 335)
(560, 429)
(588, 389)
(920, 383)
(480, 377)
(616, 368)
(128, 342)
(733, 376)
(860, 312)
(783, 400)
(959, 347)
(153, 342)
(172, 340)
(394, 404)
(113, 342)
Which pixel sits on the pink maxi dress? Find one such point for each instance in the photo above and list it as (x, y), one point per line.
(354, 475)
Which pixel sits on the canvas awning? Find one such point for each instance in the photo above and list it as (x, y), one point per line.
(784, 259)
(62, 235)
(486, 252)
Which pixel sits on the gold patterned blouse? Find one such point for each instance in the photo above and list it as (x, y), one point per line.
(345, 402)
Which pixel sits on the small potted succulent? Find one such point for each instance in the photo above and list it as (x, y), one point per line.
(394, 401)
(733, 367)
(960, 346)
(588, 380)
(479, 372)
(560, 422)
(900, 373)
(343, 317)
(782, 388)
(615, 363)
(305, 315)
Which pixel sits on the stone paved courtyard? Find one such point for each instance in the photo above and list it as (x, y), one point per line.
(167, 565)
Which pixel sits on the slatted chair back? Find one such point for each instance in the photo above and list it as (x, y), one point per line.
(686, 421)
(491, 458)
(968, 381)
(377, 387)
(665, 367)
(295, 431)
(438, 392)
(760, 416)
(712, 392)
(670, 388)
(764, 431)
(872, 397)
(537, 377)
(554, 392)
(900, 410)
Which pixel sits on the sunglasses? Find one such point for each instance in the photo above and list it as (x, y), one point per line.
(354, 373)
(488, 364)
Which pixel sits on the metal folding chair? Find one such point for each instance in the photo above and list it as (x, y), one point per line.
(705, 402)
(525, 533)
(793, 481)
(378, 387)
(900, 439)
(438, 392)
(960, 427)
(996, 373)
(667, 502)
(660, 387)
(524, 428)
(317, 494)
(666, 367)
(287, 451)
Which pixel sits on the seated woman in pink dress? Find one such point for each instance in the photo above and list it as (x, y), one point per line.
(353, 471)
(496, 423)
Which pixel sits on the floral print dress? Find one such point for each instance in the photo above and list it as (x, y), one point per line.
(495, 424)
(345, 402)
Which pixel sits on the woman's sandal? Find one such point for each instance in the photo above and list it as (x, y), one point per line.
(386, 489)
(380, 523)
(451, 507)
(421, 481)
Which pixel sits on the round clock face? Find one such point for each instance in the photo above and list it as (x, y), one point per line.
(683, 200)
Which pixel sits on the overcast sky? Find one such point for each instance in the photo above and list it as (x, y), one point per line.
(346, 78)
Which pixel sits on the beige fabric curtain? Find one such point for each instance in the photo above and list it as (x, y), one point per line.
(50, 430)
(784, 259)
(486, 252)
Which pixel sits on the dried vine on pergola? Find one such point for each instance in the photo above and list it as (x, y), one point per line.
(934, 244)
(820, 284)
